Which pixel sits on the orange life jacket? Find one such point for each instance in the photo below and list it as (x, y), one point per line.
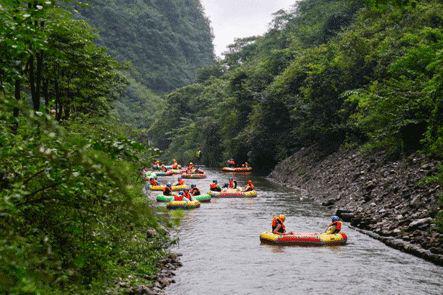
(231, 183)
(153, 182)
(275, 222)
(181, 182)
(187, 195)
(338, 225)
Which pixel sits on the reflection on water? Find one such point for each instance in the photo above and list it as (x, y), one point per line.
(222, 253)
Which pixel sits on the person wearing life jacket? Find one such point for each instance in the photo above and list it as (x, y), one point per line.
(153, 182)
(163, 168)
(174, 164)
(249, 186)
(231, 163)
(232, 183)
(180, 197)
(278, 224)
(180, 181)
(167, 190)
(335, 226)
(187, 194)
(214, 186)
(194, 190)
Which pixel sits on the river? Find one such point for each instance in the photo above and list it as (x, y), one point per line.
(222, 253)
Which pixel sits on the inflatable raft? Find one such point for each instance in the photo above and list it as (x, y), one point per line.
(304, 239)
(164, 199)
(174, 205)
(233, 194)
(193, 175)
(175, 188)
(202, 198)
(162, 173)
(237, 169)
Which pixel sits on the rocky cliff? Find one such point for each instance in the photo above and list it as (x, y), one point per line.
(390, 200)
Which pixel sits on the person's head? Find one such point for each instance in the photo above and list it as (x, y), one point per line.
(190, 163)
(180, 193)
(215, 181)
(282, 217)
(231, 179)
(169, 184)
(151, 179)
(179, 178)
(249, 181)
(186, 190)
(193, 186)
(335, 218)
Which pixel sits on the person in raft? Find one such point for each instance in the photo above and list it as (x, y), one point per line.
(180, 197)
(194, 190)
(190, 168)
(153, 181)
(249, 186)
(335, 226)
(174, 164)
(167, 190)
(232, 183)
(180, 181)
(231, 163)
(278, 225)
(187, 194)
(214, 186)
(163, 168)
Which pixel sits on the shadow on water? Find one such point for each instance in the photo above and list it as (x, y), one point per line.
(222, 253)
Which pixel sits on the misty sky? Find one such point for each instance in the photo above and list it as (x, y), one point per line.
(232, 19)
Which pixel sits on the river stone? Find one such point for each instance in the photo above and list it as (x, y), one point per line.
(420, 222)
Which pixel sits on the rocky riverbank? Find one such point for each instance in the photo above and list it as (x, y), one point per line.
(389, 199)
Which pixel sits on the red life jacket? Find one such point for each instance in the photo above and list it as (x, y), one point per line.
(175, 166)
(178, 198)
(231, 184)
(181, 182)
(153, 182)
(338, 225)
(250, 187)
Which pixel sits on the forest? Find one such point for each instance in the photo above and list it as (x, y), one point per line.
(329, 74)
(162, 43)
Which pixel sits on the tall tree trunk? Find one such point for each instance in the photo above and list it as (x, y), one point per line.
(17, 94)
(38, 80)
(35, 102)
(46, 95)
(58, 103)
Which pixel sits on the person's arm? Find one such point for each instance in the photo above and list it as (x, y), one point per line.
(277, 228)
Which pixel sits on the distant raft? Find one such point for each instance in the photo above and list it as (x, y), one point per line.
(304, 239)
(176, 171)
(237, 169)
(194, 175)
(163, 173)
(174, 188)
(174, 205)
(233, 194)
(202, 198)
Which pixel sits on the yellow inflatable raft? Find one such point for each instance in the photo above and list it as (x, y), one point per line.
(175, 188)
(232, 193)
(174, 205)
(304, 239)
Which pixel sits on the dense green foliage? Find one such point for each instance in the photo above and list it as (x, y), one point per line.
(72, 215)
(163, 42)
(330, 73)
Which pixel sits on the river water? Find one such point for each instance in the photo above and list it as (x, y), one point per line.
(222, 253)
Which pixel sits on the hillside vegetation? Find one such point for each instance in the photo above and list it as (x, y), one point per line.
(330, 73)
(73, 218)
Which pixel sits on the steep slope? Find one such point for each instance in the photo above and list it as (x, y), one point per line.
(165, 40)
